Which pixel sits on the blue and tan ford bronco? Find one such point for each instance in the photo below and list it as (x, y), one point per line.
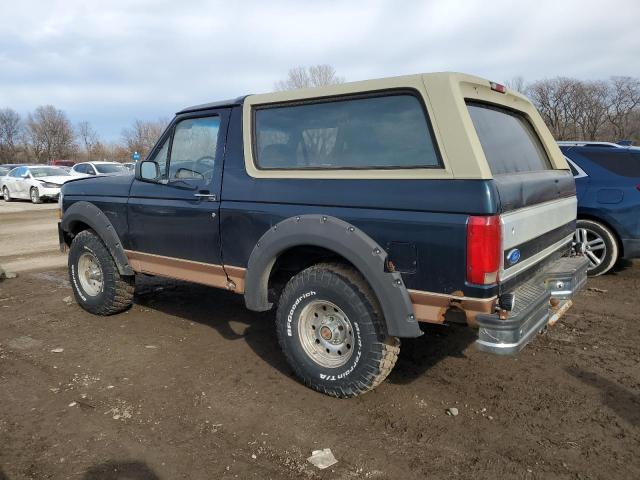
(359, 211)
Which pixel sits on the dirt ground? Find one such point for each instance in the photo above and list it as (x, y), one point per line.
(190, 385)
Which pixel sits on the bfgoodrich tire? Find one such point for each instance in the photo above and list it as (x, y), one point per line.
(331, 331)
(97, 285)
(601, 246)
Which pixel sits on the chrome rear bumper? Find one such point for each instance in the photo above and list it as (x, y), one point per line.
(538, 302)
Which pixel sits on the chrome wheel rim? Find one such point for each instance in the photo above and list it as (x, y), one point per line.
(5, 193)
(593, 246)
(34, 196)
(326, 334)
(90, 274)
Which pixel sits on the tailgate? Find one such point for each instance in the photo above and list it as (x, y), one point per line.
(537, 202)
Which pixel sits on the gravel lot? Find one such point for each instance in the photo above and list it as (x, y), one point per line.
(188, 384)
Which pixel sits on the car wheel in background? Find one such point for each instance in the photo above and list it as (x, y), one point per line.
(97, 284)
(331, 331)
(35, 195)
(6, 195)
(599, 244)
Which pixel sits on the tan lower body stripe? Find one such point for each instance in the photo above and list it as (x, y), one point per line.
(228, 277)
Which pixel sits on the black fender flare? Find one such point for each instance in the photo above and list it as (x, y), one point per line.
(88, 213)
(344, 239)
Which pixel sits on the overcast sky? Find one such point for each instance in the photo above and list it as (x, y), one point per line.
(112, 61)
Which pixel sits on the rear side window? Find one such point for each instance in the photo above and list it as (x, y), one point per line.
(623, 163)
(508, 140)
(389, 131)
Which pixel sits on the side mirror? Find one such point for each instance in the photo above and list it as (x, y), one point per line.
(25, 175)
(149, 171)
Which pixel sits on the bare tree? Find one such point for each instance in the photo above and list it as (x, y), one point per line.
(624, 99)
(142, 135)
(50, 134)
(594, 100)
(517, 84)
(10, 134)
(88, 138)
(306, 77)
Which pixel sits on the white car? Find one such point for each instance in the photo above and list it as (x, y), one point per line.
(86, 169)
(34, 182)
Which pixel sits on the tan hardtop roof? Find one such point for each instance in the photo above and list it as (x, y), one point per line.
(364, 85)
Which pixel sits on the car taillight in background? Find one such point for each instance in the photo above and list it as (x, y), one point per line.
(484, 249)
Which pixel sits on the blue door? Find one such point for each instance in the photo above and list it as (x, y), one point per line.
(176, 215)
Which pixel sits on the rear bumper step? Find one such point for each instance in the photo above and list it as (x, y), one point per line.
(538, 302)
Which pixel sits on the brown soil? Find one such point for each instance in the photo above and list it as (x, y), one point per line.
(190, 385)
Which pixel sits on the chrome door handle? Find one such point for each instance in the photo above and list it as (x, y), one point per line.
(212, 197)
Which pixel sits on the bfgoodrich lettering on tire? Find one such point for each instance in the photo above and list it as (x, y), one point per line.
(331, 331)
(97, 285)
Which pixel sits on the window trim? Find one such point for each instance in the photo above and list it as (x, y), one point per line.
(516, 113)
(581, 172)
(338, 98)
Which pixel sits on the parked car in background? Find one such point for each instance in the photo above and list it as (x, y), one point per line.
(33, 182)
(62, 163)
(130, 165)
(608, 189)
(86, 169)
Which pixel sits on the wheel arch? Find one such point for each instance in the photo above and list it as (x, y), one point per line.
(84, 215)
(345, 241)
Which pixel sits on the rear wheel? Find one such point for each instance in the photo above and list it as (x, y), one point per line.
(600, 246)
(35, 195)
(97, 284)
(6, 195)
(331, 330)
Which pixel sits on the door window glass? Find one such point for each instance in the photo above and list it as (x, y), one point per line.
(194, 149)
(17, 172)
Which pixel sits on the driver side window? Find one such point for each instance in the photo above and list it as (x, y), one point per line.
(194, 149)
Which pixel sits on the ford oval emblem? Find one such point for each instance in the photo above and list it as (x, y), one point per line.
(513, 256)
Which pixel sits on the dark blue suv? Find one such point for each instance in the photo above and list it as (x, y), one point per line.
(358, 211)
(608, 188)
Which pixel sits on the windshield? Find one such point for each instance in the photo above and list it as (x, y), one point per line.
(109, 168)
(508, 140)
(38, 172)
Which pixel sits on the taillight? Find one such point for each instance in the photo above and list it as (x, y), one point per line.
(484, 249)
(496, 87)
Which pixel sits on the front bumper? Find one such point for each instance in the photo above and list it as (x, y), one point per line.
(538, 302)
(49, 192)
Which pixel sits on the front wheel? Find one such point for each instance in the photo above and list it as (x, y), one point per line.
(35, 195)
(599, 244)
(331, 331)
(97, 284)
(6, 195)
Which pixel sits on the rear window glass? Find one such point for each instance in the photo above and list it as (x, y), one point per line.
(508, 140)
(371, 132)
(109, 168)
(623, 163)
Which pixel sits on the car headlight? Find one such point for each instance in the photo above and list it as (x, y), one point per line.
(50, 185)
